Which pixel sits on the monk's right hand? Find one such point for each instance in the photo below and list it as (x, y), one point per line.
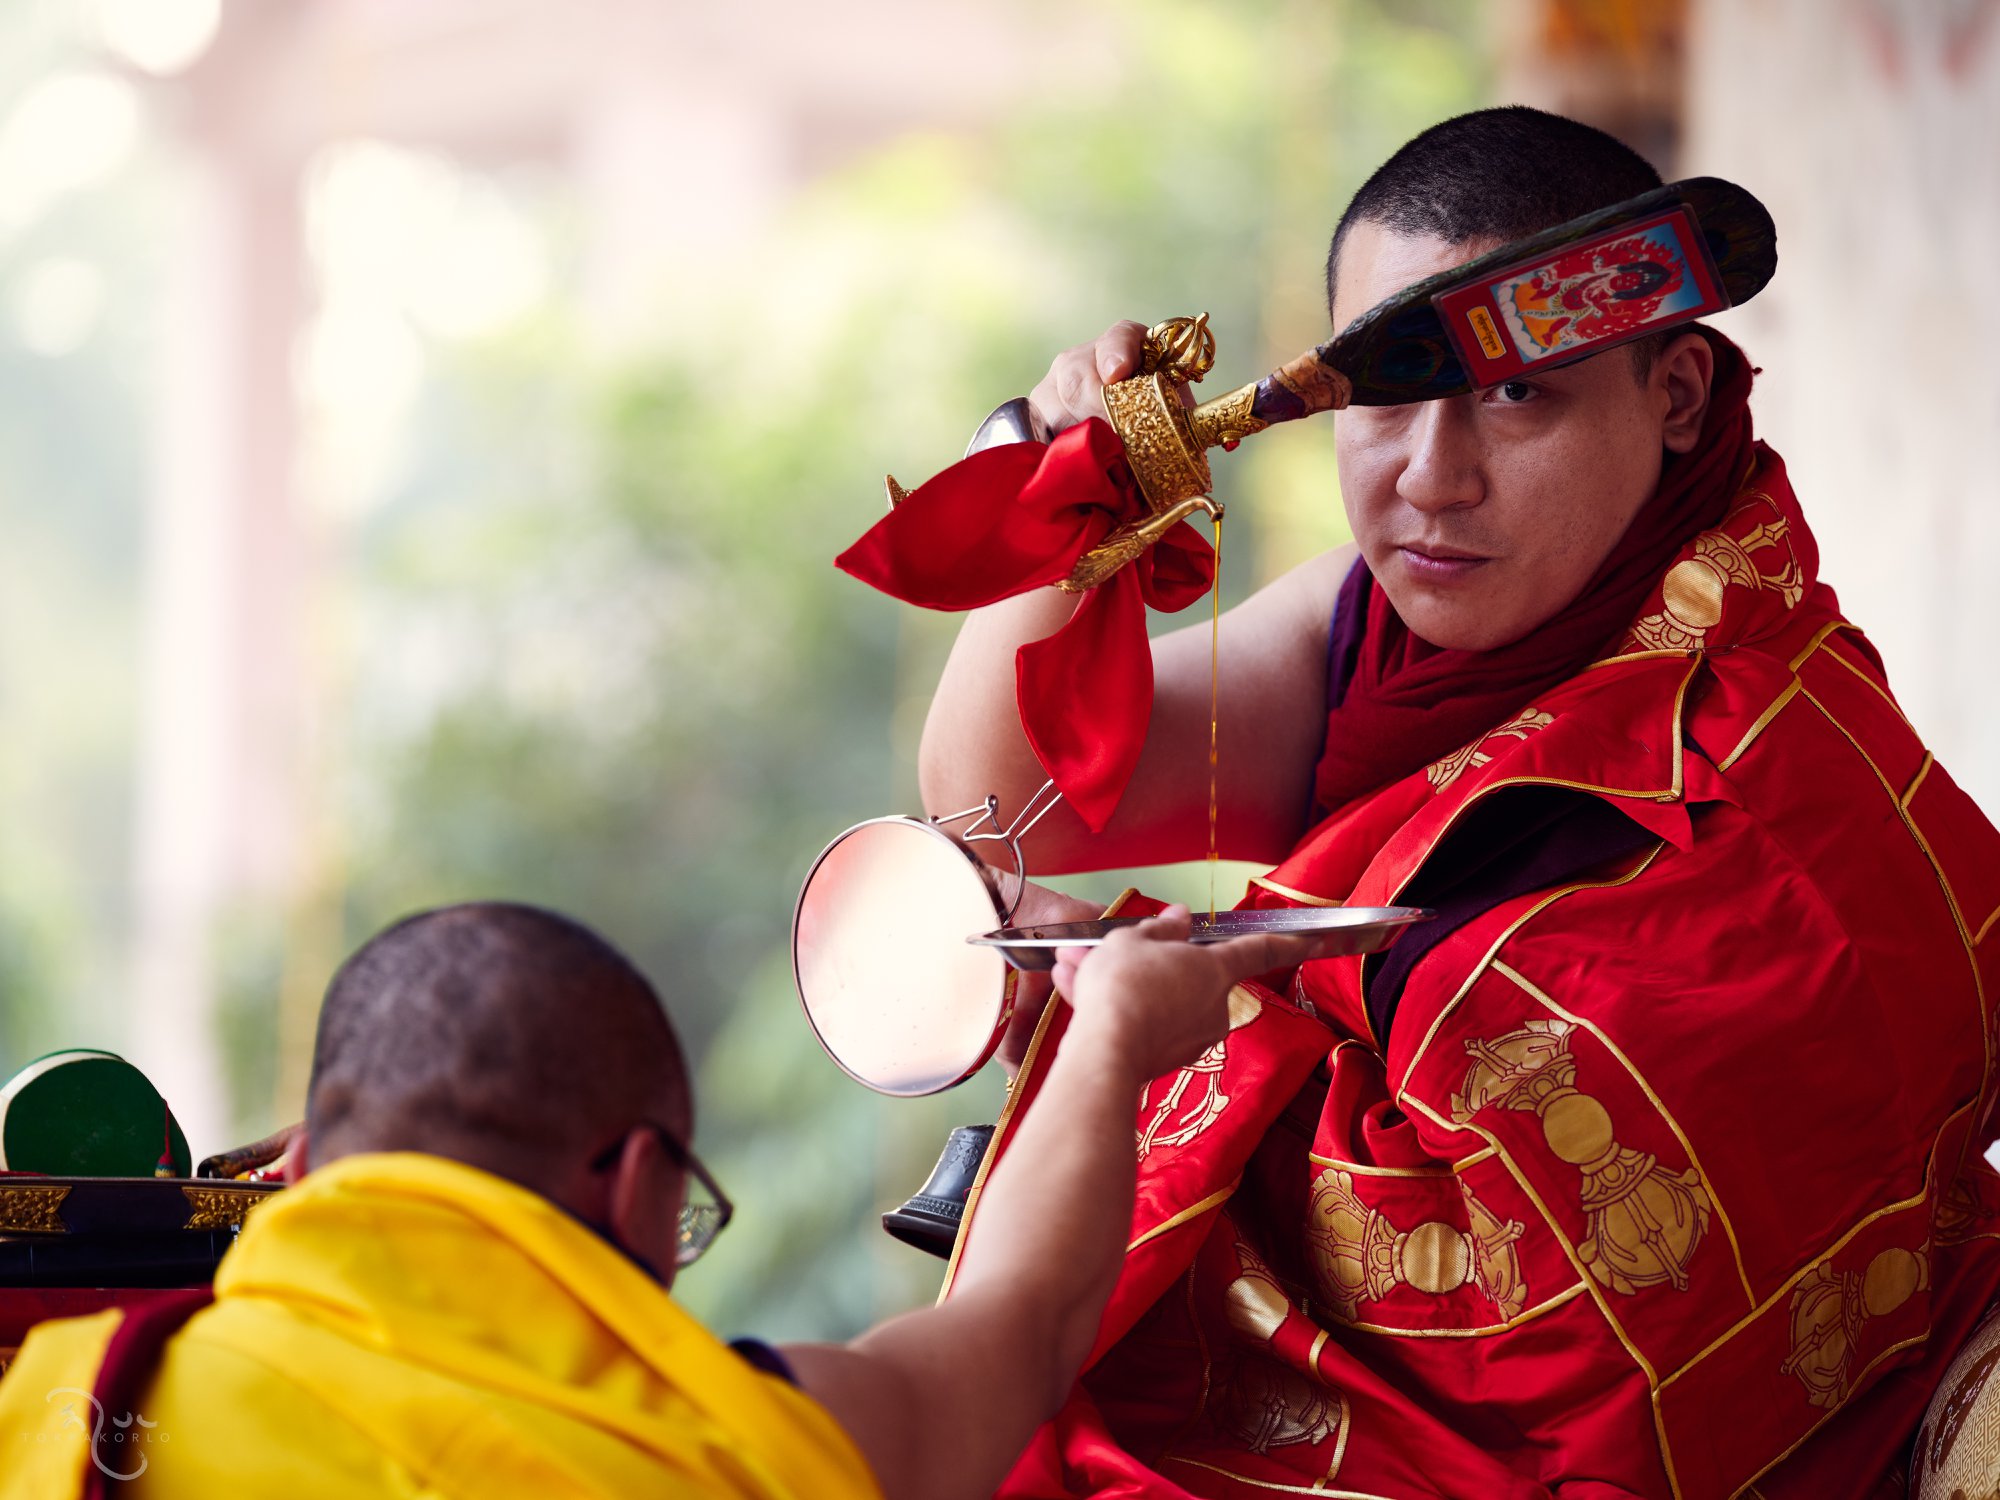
(1038, 907)
(1158, 1001)
(1074, 387)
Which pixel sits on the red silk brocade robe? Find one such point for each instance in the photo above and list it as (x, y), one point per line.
(1667, 1178)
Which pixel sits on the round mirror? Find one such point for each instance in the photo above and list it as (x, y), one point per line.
(898, 997)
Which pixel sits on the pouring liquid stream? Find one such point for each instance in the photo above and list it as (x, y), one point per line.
(1214, 685)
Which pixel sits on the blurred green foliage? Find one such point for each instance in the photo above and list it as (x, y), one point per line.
(593, 652)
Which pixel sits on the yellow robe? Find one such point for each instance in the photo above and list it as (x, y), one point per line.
(403, 1325)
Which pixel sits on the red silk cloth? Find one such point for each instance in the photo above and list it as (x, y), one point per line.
(1018, 517)
(1410, 702)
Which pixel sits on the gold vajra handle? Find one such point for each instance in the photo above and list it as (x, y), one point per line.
(1166, 441)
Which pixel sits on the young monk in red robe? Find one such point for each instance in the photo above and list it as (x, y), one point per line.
(1653, 1166)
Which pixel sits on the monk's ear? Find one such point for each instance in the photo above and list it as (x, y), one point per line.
(1680, 379)
(646, 1190)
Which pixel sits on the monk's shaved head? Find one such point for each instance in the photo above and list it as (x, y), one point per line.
(501, 1035)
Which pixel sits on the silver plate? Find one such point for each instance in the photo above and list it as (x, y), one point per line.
(1339, 929)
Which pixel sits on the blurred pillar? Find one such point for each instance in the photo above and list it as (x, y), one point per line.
(1870, 127)
(219, 719)
(1617, 64)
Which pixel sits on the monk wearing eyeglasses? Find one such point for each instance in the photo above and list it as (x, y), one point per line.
(468, 1291)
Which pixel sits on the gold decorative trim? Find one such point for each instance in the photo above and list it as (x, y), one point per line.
(1875, 687)
(1620, 658)
(1986, 926)
(1430, 1034)
(1346, 1418)
(220, 1207)
(1895, 1348)
(1902, 800)
(1192, 1211)
(1902, 1205)
(32, 1210)
(1916, 782)
(1319, 1489)
(1950, 900)
(1760, 724)
(1291, 895)
(1797, 684)
(1562, 1298)
(1363, 1169)
(1671, 794)
(1819, 638)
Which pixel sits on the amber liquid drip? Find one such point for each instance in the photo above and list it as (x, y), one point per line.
(1214, 686)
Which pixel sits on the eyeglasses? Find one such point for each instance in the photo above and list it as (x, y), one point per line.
(701, 1218)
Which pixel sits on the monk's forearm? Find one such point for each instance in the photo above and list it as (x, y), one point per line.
(1057, 1210)
(973, 745)
(943, 1400)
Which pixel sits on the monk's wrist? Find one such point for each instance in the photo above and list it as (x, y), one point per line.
(1109, 1044)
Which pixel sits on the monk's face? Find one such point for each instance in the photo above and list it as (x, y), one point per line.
(1484, 514)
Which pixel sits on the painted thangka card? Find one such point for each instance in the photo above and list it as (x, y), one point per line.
(1621, 284)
